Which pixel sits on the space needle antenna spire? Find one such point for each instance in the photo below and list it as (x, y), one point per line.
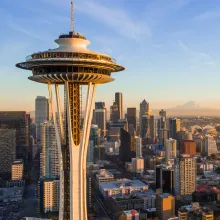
(72, 17)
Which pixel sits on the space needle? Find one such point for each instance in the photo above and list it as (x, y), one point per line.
(73, 65)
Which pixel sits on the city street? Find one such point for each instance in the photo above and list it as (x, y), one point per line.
(29, 207)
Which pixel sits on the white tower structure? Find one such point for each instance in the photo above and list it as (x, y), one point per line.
(71, 65)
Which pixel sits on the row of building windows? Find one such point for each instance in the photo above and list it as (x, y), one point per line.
(71, 56)
(69, 69)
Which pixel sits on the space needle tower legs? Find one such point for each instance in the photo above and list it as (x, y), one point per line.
(77, 146)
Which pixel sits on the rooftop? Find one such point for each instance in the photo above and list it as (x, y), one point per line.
(104, 174)
(164, 195)
(123, 183)
(129, 212)
(147, 193)
(18, 161)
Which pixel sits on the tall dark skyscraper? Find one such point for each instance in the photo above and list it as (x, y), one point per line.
(145, 126)
(7, 149)
(132, 117)
(174, 127)
(19, 121)
(119, 103)
(100, 116)
(41, 112)
(114, 113)
(126, 153)
(164, 179)
(152, 128)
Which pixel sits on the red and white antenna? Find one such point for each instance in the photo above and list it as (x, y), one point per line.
(72, 17)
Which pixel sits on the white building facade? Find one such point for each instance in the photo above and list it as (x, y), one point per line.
(49, 158)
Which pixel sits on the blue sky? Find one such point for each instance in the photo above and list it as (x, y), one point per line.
(170, 48)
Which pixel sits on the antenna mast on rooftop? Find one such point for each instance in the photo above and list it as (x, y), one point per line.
(72, 17)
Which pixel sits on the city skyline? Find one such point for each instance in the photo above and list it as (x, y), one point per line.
(179, 55)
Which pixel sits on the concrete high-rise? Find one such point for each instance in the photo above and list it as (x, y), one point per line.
(185, 175)
(48, 199)
(119, 103)
(170, 150)
(210, 145)
(138, 144)
(17, 169)
(73, 65)
(49, 158)
(41, 112)
(8, 150)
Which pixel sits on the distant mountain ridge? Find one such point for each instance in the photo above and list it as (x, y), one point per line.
(188, 105)
(191, 108)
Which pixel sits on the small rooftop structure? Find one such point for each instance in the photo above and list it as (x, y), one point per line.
(17, 161)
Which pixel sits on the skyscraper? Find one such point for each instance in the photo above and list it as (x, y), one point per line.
(125, 150)
(114, 113)
(8, 150)
(41, 112)
(95, 134)
(164, 179)
(131, 117)
(17, 120)
(144, 108)
(174, 127)
(49, 195)
(152, 128)
(119, 103)
(162, 113)
(49, 158)
(17, 169)
(138, 144)
(210, 145)
(185, 175)
(170, 150)
(72, 65)
(90, 153)
(100, 115)
(145, 126)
